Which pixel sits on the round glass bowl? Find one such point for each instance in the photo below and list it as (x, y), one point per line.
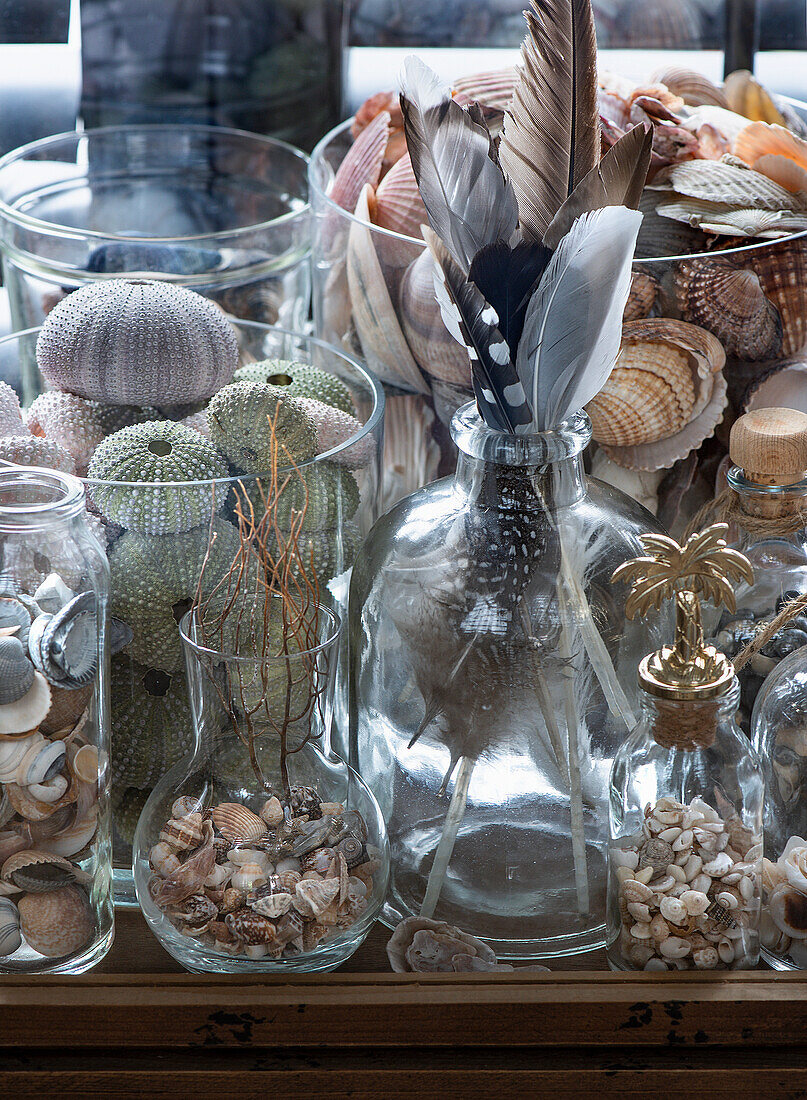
(154, 580)
(223, 212)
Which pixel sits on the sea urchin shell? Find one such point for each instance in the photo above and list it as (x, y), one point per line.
(239, 417)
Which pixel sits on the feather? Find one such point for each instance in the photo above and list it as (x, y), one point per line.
(551, 136)
(466, 196)
(507, 277)
(466, 314)
(574, 320)
(617, 180)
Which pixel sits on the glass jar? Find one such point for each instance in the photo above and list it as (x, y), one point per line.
(55, 851)
(490, 657)
(218, 211)
(779, 734)
(227, 835)
(686, 828)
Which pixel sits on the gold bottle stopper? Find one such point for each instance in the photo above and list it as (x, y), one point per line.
(770, 446)
(703, 568)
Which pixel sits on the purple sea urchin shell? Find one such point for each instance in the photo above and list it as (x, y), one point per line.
(79, 425)
(137, 343)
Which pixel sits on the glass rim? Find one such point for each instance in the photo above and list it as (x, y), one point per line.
(55, 229)
(473, 437)
(736, 478)
(334, 634)
(318, 158)
(368, 427)
(69, 503)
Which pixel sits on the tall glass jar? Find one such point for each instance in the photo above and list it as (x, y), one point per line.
(491, 675)
(262, 850)
(55, 851)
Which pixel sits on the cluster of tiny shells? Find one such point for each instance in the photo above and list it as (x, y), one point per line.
(274, 884)
(783, 928)
(688, 891)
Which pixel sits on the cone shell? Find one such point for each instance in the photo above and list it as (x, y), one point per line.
(729, 301)
(38, 872)
(436, 351)
(235, 822)
(782, 271)
(398, 205)
(58, 922)
(641, 297)
(693, 87)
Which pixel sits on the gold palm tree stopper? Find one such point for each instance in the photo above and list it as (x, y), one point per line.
(703, 568)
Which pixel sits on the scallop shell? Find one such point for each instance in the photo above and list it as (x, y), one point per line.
(693, 87)
(28, 711)
(362, 163)
(718, 181)
(490, 89)
(641, 296)
(398, 205)
(37, 872)
(58, 922)
(747, 97)
(436, 351)
(383, 343)
(16, 671)
(729, 301)
(237, 823)
(649, 396)
(10, 938)
(781, 384)
(14, 614)
(774, 151)
(137, 343)
(782, 271)
(69, 645)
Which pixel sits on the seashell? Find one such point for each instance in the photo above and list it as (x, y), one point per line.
(289, 928)
(164, 859)
(361, 165)
(57, 922)
(490, 89)
(250, 928)
(656, 853)
(197, 912)
(319, 860)
(14, 614)
(67, 706)
(233, 900)
(729, 301)
(641, 297)
(285, 881)
(37, 872)
(398, 205)
(13, 752)
(52, 594)
(186, 880)
(10, 938)
(248, 876)
(185, 805)
(781, 384)
(272, 812)
(382, 341)
(421, 945)
(237, 823)
(272, 905)
(16, 671)
(183, 833)
(694, 88)
(288, 864)
(68, 646)
(29, 710)
(305, 800)
(86, 764)
(241, 857)
(746, 96)
(314, 896)
(314, 835)
(41, 762)
(353, 851)
(71, 841)
(782, 272)
(436, 351)
(137, 343)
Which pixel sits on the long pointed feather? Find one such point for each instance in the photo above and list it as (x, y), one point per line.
(499, 394)
(468, 200)
(573, 325)
(617, 180)
(551, 136)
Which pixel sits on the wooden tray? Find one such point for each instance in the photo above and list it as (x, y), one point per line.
(138, 1026)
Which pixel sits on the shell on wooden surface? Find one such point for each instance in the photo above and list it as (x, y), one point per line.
(236, 822)
(408, 954)
(57, 922)
(436, 351)
(693, 87)
(641, 296)
(728, 300)
(398, 205)
(383, 343)
(782, 271)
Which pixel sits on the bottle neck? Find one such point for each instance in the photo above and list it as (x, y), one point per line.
(689, 724)
(785, 504)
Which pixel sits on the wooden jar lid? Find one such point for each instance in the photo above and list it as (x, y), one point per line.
(770, 446)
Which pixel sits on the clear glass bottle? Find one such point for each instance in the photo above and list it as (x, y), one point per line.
(686, 788)
(262, 850)
(779, 734)
(491, 675)
(56, 911)
(765, 506)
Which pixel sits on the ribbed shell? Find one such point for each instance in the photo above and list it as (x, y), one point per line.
(436, 351)
(729, 301)
(137, 343)
(38, 872)
(16, 671)
(32, 451)
(491, 89)
(236, 822)
(693, 87)
(28, 711)
(746, 96)
(649, 396)
(151, 723)
(151, 575)
(80, 425)
(239, 419)
(398, 205)
(66, 707)
(299, 380)
(157, 452)
(782, 271)
(641, 297)
(58, 922)
(362, 163)
(13, 613)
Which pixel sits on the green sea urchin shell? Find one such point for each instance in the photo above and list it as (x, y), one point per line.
(137, 343)
(151, 723)
(154, 580)
(299, 380)
(80, 425)
(239, 417)
(326, 553)
(157, 452)
(333, 497)
(127, 806)
(32, 451)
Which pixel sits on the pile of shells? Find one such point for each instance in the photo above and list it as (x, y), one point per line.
(274, 884)
(783, 927)
(688, 891)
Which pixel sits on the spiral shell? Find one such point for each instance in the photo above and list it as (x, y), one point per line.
(237, 823)
(137, 343)
(184, 833)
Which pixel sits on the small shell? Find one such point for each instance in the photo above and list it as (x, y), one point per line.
(10, 938)
(729, 301)
(641, 297)
(673, 909)
(27, 712)
(186, 880)
(86, 764)
(185, 805)
(67, 707)
(272, 905)
(40, 763)
(705, 958)
(68, 842)
(237, 823)
(314, 835)
(694, 902)
(58, 922)
(788, 909)
(353, 850)
(233, 899)
(319, 860)
(272, 812)
(197, 912)
(69, 643)
(183, 834)
(314, 897)
(52, 594)
(673, 947)
(37, 872)
(289, 927)
(649, 396)
(164, 859)
(694, 88)
(14, 614)
(250, 928)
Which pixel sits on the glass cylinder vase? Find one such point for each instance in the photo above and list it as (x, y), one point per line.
(263, 850)
(55, 846)
(492, 675)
